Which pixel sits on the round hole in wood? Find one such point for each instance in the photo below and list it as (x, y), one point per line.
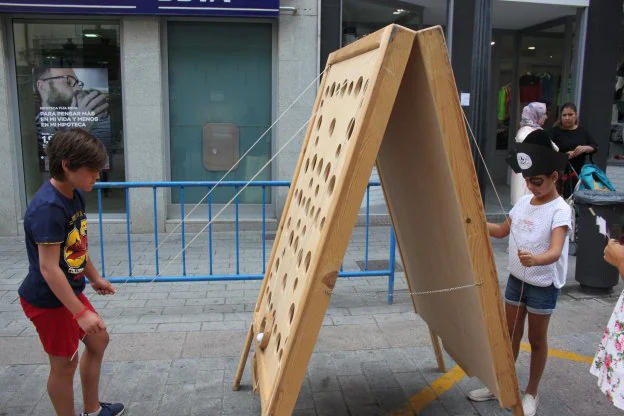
(269, 297)
(332, 125)
(299, 198)
(278, 341)
(312, 211)
(365, 87)
(299, 258)
(316, 141)
(275, 328)
(319, 122)
(358, 86)
(280, 354)
(298, 223)
(332, 183)
(332, 90)
(296, 246)
(316, 217)
(311, 183)
(350, 128)
(307, 260)
(327, 91)
(350, 88)
(316, 191)
(276, 264)
(322, 102)
(314, 162)
(284, 280)
(327, 170)
(289, 220)
(290, 238)
(263, 324)
(343, 89)
(291, 313)
(307, 163)
(338, 149)
(305, 228)
(307, 207)
(271, 307)
(322, 223)
(319, 167)
(295, 283)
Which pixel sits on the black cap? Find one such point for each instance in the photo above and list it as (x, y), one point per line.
(535, 156)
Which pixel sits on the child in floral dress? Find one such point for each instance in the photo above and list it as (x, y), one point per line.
(608, 364)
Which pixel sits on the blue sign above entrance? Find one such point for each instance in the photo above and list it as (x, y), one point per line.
(146, 7)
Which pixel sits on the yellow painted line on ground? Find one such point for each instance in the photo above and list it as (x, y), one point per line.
(564, 355)
(426, 396)
(423, 398)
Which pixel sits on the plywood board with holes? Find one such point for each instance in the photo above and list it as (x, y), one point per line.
(428, 176)
(395, 85)
(352, 108)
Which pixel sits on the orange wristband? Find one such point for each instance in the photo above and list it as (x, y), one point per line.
(79, 314)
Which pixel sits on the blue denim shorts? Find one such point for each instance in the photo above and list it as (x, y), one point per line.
(538, 300)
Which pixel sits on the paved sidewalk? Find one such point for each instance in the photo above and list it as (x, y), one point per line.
(175, 346)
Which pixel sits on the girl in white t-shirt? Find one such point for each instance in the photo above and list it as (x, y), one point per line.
(538, 257)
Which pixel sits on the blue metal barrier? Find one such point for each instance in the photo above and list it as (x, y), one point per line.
(237, 185)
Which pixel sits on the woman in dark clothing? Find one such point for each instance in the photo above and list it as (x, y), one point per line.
(576, 142)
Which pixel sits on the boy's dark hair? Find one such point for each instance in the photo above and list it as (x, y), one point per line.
(78, 148)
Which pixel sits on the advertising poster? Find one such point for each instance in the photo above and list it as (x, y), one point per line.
(67, 98)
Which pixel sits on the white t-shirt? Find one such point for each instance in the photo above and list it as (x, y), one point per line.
(531, 227)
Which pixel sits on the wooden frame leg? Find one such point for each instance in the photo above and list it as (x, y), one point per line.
(435, 341)
(243, 359)
(517, 410)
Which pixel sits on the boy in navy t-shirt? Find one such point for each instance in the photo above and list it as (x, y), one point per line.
(55, 226)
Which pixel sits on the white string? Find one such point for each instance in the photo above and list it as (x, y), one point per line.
(257, 173)
(239, 160)
(511, 234)
(233, 199)
(423, 293)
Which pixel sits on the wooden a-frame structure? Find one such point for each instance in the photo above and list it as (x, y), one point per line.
(388, 98)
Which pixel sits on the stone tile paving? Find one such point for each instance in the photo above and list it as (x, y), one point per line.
(175, 346)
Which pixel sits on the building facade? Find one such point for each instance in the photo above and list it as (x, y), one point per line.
(180, 90)
(175, 90)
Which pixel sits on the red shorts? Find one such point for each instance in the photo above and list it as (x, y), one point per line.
(58, 331)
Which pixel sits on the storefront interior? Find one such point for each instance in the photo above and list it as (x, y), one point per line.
(533, 58)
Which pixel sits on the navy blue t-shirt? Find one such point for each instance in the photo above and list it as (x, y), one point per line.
(52, 218)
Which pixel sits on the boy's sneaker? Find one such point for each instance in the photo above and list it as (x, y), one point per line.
(481, 395)
(109, 409)
(529, 404)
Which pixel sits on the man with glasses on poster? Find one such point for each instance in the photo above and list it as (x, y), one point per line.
(65, 104)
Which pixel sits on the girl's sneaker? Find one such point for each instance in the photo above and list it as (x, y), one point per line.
(529, 404)
(481, 395)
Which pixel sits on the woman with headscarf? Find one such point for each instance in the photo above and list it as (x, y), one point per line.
(533, 118)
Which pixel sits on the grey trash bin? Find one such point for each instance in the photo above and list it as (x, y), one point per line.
(592, 272)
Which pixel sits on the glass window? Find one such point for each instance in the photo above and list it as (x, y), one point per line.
(69, 75)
